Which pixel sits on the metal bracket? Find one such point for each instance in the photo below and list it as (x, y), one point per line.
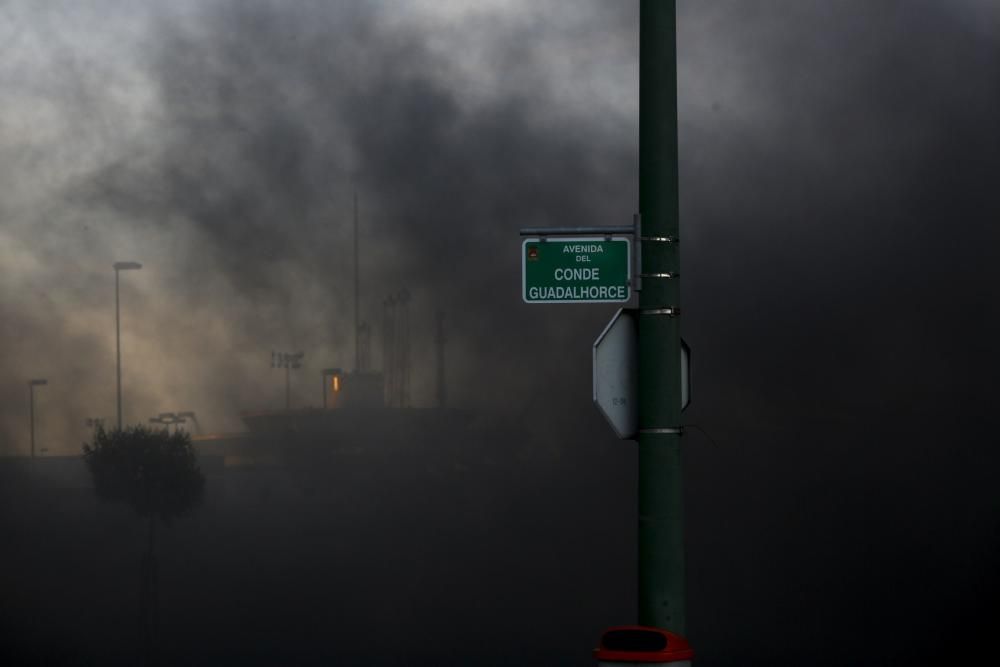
(577, 231)
(669, 311)
(659, 275)
(670, 430)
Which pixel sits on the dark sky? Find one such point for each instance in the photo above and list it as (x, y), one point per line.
(839, 200)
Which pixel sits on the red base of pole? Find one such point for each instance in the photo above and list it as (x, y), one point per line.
(626, 644)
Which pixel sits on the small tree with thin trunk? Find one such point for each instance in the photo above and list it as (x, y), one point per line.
(156, 472)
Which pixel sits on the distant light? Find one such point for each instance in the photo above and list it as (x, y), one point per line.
(336, 383)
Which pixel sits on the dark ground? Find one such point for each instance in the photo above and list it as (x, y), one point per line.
(501, 557)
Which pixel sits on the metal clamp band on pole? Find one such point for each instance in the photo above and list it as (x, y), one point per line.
(669, 312)
(658, 275)
(679, 430)
(659, 239)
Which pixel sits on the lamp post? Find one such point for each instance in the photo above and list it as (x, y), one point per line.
(389, 348)
(120, 266)
(403, 300)
(31, 408)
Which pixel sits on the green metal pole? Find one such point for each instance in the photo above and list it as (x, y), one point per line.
(661, 525)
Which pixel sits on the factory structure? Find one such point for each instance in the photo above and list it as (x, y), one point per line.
(359, 405)
(367, 440)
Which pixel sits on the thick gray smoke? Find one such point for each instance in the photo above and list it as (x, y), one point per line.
(256, 122)
(839, 202)
(832, 165)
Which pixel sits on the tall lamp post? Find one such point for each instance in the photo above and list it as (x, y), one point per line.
(120, 266)
(31, 408)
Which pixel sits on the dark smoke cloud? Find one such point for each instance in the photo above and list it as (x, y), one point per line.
(267, 118)
(838, 168)
(278, 114)
(839, 200)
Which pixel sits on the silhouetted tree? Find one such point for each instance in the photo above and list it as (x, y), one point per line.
(156, 472)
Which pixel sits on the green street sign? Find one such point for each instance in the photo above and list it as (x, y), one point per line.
(576, 270)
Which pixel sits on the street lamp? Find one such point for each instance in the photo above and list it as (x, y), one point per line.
(120, 266)
(175, 418)
(190, 415)
(168, 418)
(31, 409)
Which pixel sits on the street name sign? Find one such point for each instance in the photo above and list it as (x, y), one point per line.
(616, 373)
(592, 269)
